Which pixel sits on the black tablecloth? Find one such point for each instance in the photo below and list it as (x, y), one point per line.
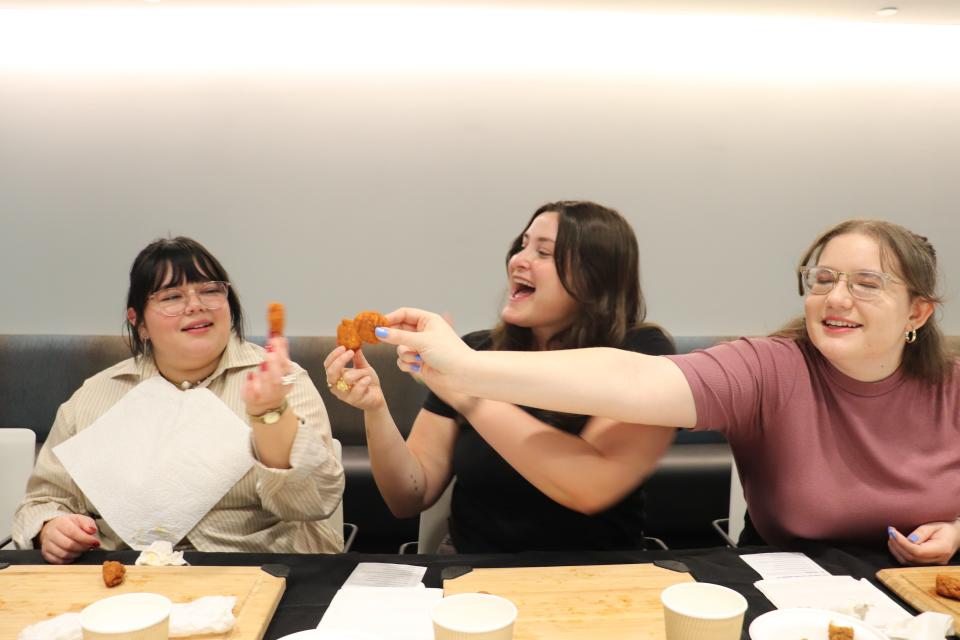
(314, 579)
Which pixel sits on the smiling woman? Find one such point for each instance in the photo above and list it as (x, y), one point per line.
(573, 281)
(185, 326)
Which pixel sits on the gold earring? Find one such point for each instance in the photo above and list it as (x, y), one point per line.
(911, 336)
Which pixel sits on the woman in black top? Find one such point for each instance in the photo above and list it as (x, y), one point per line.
(574, 281)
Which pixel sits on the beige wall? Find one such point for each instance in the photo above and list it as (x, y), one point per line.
(336, 192)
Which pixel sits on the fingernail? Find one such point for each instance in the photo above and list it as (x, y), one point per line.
(913, 537)
(269, 348)
(250, 375)
(271, 334)
(417, 358)
(263, 366)
(95, 544)
(415, 368)
(381, 332)
(891, 532)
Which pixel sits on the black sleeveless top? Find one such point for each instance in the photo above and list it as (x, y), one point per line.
(494, 509)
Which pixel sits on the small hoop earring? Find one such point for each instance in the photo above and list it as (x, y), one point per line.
(911, 336)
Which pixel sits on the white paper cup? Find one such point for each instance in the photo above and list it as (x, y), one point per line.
(130, 616)
(473, 616)
(702, 611)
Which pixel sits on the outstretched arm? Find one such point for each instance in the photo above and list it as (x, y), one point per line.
(624, 386)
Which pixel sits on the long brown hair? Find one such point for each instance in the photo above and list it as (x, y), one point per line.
(914, 260)
(598, 263)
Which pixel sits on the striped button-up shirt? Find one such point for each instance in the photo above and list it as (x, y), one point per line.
(268, 510)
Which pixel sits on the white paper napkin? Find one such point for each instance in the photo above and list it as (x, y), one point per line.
(160, 554)
(158, 460)
(401, 613)
(209, 614)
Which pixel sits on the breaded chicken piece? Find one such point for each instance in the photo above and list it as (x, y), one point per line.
(113, 573)
(275, 317)
(948, 586)
(836, 632)
(347, 335)
(366, 323)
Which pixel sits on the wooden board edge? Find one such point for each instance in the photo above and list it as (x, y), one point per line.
(913, 595)
(264, 580)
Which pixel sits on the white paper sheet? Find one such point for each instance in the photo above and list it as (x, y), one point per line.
(384, 574)
(843, 594)
(158, 460)
(783, 565)
(386, 613)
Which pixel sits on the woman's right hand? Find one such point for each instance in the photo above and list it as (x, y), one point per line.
(362, 383)
(64, 538)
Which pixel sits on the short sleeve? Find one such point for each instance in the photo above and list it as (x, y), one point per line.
(731, 382)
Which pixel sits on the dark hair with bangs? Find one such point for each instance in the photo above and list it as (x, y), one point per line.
(187, 261)
(598, 263)
(911, 258)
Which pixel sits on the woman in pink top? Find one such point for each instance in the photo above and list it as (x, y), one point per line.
(844, 425)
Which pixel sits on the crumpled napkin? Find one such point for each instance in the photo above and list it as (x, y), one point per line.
(160, 554)
(209, 614)
(928, 625)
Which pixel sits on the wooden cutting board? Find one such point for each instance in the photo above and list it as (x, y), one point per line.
(599, 602)
(917, 587)
(32, 593)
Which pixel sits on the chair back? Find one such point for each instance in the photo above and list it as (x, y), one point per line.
(738, 505)
(434, 522)
(16, 462)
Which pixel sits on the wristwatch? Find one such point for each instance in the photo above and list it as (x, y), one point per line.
(271, 416)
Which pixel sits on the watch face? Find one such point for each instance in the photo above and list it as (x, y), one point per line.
(271, 417)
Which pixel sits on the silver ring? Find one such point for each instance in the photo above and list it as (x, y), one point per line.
(288, 379)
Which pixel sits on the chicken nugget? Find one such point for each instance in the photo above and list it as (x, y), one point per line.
(836, 632)
(113, 573)
(347, 335)
(275, 318)
(948, 586)
(366, 323)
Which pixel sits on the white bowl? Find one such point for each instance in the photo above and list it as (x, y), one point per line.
(130, 616)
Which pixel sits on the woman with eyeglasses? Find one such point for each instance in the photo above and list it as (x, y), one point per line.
(185, 324)
(844, 425)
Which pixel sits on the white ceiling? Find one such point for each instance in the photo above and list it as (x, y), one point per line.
(910, 11)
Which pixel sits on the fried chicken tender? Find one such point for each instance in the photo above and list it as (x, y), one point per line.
(347, 335)
(113, 573)
(353, 333)
(948, 586)
(275, 318)
(836, 632)
(366, 323)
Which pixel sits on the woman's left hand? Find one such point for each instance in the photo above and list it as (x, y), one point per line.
(263, 389)
(932, 543)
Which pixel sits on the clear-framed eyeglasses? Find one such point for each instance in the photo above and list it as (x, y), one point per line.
(173, 301)
(863, 285)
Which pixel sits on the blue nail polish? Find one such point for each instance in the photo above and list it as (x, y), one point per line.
(381, 332)
(913, 537)
(891, 532)
(417, 358)
(415, 368)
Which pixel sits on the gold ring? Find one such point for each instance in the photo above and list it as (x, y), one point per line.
(342, 385)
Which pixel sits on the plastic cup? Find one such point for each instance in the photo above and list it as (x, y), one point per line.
(130, 616)
(473, 616)
(702, 611)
